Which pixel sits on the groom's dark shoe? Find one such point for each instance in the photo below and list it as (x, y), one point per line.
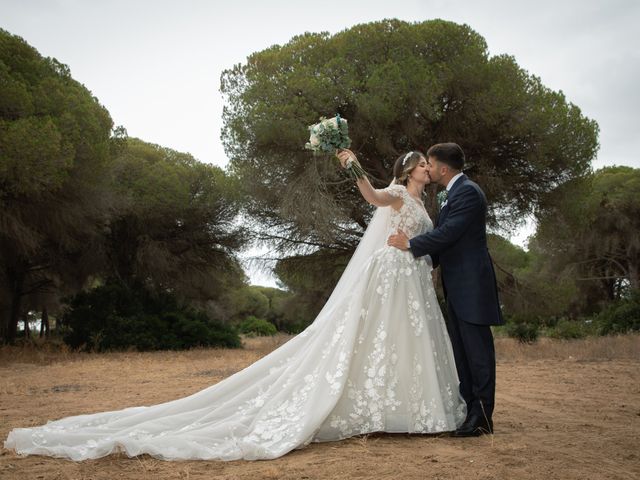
(474, 426)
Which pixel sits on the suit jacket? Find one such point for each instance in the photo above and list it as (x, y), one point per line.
(458, 244)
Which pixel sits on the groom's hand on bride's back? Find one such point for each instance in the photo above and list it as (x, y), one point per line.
(399, 240)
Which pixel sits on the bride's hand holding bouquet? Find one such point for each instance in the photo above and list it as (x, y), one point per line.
(350, 163)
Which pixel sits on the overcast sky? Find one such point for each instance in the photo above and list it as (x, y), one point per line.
(156, 64)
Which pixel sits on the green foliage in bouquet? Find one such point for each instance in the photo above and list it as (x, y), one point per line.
(329, 135)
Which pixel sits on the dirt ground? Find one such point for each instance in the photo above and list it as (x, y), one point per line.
(565, 410)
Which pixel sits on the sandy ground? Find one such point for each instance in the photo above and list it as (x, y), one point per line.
(565, 410)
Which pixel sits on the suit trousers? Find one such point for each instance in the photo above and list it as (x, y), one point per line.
(475, 357)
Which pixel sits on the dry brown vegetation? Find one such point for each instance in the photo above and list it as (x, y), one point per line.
(565, 410)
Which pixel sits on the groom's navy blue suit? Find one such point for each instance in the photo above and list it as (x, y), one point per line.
(458, 244)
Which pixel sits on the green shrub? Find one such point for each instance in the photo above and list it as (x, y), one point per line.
(295, 327)
(524, 332)
(525, 328)
(620, 317)
(569, 329)
(116, 316)
(257, 326)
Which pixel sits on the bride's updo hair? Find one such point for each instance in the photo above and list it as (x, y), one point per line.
(405, 164)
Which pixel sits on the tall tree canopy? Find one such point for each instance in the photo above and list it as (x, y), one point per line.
(590, 227)
(174, 226)
(402, 86)
(530, 284)
(54, 149)
(79, 200)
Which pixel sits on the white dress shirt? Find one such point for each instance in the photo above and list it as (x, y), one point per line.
(453, 180)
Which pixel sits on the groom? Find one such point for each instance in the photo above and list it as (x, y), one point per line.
(459, 245)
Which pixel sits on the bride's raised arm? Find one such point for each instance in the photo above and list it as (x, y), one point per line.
(379, 198)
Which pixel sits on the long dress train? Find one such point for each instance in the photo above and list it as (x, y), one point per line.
(376, 359)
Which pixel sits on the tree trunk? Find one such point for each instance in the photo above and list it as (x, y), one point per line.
(17, 285)
(4, 324)
(634, 276)
(44, 323)
(25, 319)
(14, 317)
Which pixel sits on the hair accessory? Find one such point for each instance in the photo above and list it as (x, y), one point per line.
(406, 157)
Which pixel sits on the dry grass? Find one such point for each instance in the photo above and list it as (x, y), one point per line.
(621, 347)
(39, 352)
(565, 410)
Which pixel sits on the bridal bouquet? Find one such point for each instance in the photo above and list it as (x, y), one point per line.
(330, 135)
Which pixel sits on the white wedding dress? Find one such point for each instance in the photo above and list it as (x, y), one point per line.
(376, 359)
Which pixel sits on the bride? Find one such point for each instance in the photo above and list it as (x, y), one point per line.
(377, 358)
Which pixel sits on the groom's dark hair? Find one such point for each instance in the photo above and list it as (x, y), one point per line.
(448, 153)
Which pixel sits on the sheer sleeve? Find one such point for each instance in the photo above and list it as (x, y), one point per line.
(396, 191)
